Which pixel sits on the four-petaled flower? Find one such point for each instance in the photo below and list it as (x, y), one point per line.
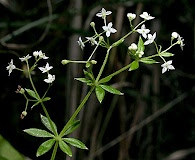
(103, 13)
(46, 68)
(10, 67)
(81, 44)
(167, 66)
(109, 29)
(92, 40)
(146, 16)
(150, 39)
(25, 58)
(50, 78)
(143, 31)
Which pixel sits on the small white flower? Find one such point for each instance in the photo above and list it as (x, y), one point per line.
(146, 16)
(180, 41)
(103, 13)
(46, 68)
(143, 31)
(25, 58)
(140, 54)
(174, 35)
(81, 44)
(133, 46)
(10, 67)
(131, 16)
(150, 39)
(40, 54)
(92, 40)
(167, 66)
(109, 29)
(50, 78)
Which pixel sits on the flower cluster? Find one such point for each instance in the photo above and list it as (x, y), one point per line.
(38, 55)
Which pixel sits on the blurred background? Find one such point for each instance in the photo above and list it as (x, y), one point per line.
(154, 120)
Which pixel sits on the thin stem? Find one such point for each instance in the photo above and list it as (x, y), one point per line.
(103, 65)
(54, 151)
(76, 112)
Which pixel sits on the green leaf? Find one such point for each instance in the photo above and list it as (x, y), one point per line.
(46, 123)
(100, 93)
(166, 54)
(111, 89)
(134, 65)
(38, 132)
(106, 79)
(31, 93)
(84, 80)
(140, 45)
(73, 126)
(46, 99)
(45, 147)
(148, 60)
(65, 148)
(88, 75)
(35, 104)
(75, 142)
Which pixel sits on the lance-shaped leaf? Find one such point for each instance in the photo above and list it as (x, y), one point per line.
(104, 80)
(134, 65)
(140, 45)
(75, 142)
(45, 147)
(46, 123)
(84, 80)
(38, 132)
(166, 54)
(31, 93)
(148, 60)
(65, 148)
(73, 126)
(100, 93)
(111, 89)
(46, 99)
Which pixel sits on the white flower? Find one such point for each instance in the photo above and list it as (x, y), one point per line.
(46, 68)
(140, 53)
(174, 35)
(92, 40)
(81, 44)
(143, 31)
(103, 13)
(180, 41)
(133, 46)
(25, 58)
(10, 67)
(131, 16)
(146, 16)
(50, 78)
(150, 39)
(109, 29)
(40, 54)
(167, 66)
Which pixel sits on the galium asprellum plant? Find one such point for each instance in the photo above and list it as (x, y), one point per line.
(99, 85)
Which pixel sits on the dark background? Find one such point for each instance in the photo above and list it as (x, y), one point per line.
(146, 90)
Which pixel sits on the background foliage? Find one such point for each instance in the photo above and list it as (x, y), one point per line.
(146, 90)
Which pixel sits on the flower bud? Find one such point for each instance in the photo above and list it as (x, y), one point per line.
(133, 47)
(174, 35)
(65, 61)
(23, 114)
(93, 62)
(92, 24)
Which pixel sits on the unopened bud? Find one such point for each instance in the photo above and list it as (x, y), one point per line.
(23, 114)
(174, 35)
(92, 24)
(65, 61)
(133, 47)
(131, 16)
(93, 62)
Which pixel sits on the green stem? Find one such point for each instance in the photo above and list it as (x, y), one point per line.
(54, 151)
(103, 65)
(76, 112)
